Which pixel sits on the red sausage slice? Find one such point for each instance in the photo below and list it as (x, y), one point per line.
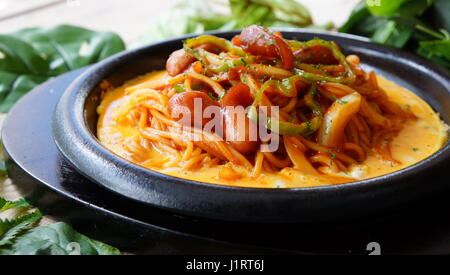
(257, 40)
(182, 108)
(238, 95)
(316, 55)
(178, 62)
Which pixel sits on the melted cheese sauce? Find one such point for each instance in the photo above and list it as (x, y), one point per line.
(418, 140)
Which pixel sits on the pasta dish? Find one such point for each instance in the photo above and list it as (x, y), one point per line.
(263, 111)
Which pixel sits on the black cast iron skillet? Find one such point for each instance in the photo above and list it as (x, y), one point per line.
(75, 121)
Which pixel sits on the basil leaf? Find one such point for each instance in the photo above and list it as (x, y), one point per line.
(393, 34)
(247, 13)
(68, 48)
(269, 13)
(362, 22)
(439, 51)
(415, 25)
(31, 56)
(56, 239)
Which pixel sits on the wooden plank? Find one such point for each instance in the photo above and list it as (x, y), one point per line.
(10, 8)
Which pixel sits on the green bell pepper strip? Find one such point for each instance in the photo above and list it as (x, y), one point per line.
(306, 129)
(220, 42)
(209, 58)
(221, 63)
(285, 87)
(348, 77)
(311, 102)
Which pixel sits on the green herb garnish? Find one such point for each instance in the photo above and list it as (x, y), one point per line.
(179, 88)
(342, 102)
(332, 154)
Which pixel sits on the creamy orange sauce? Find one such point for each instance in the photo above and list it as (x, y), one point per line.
(418, 140)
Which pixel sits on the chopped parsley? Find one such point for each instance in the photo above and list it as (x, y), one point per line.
(333, 155)
(415, 149)
(244, 62)
(308, 125)
(342, 102)
(212, 96)
(179, 88)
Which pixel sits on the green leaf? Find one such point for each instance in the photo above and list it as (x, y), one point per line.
(415, 25)
(31, 56)
(393, 34)
(10, 229)
(359, 14)
(436, 49)
(246, 13)
(14, 86)
(194, 16)
(6, 205)
(68, 48)
(56, 239)
(270, 13)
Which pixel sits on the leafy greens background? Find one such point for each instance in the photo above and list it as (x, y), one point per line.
(419, 26)
(31, 56)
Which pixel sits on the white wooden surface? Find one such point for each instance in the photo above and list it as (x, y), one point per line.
(129, 18)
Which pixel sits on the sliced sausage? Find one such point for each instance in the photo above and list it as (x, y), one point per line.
(238, 95)
(240, 132)
(316, 55)
(182, 108)
(257, 40)
(178, 62)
